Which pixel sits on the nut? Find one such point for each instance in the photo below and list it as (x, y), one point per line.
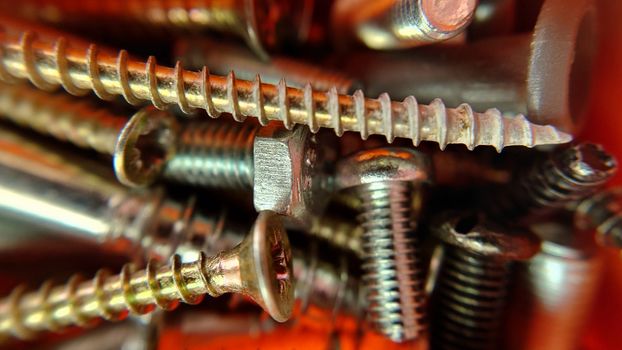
(289, 173)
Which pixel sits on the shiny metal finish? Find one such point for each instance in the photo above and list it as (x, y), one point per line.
(555, 291)
(471, 289)
(259, 267)
(35, 54)
(387, 180)
(391, 24)
(602, 212)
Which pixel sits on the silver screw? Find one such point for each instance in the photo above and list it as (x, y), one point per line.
(602, 212)
(471, 289)
(402, 23)
(387, 180)
(50, 59)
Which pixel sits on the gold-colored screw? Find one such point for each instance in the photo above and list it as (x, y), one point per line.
(259, 267)
(49, 59)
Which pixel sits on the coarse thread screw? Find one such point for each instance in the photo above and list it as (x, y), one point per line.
(386, 180)
(565, 176)
(470, 292)
(338, 232)
(48, 60)
(602, 212)
(259, 267)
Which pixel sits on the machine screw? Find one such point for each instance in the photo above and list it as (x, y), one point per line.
(402, 23)
(260, 267)
(48, 59)
(544, 75)
(602, 212)
(470, 292)
(387, 180)
(565, 176)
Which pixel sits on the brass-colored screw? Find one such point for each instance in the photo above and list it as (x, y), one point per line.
(48, 59)
(259, 267)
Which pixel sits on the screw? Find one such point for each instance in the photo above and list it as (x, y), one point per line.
(223, 57)
(340, 233)
(259, 267)
(471, 288)
(602, 212)
(49, 59)
(385, 179)
(555, 289)
(403, 23)
(544, 75)
(565, 176)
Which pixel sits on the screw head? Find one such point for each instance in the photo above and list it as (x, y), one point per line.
(586, 162)
(143, 147)
(473, 233)
(383, 164)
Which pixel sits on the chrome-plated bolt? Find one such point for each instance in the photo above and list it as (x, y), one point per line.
(260, 23)
(387, 180)
(554, 290)
(470, 292)
(402, 23)
(566, 176)
(544, 75)
(49, 59)
(602, 212)
(260, 267)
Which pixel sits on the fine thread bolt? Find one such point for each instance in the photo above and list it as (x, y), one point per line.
(49, 60)
(602, 212)
(566, 176)
(392, 275)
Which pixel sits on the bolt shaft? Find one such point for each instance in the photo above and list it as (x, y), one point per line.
(602, 212)
(468, 301)
(391, 265)
(49, 60)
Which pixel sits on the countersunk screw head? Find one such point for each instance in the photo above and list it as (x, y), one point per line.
(470, 232)
(144, 146)
(383, 164)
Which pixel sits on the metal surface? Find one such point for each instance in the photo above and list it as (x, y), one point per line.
(391, 24)
(471, 289)
(545, 75)
(602, 212)
(49, 60)
(555, 291)
(386, 180)
(260, 267)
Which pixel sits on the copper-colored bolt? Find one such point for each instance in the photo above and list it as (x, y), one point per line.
(48, 60)
(259, 267)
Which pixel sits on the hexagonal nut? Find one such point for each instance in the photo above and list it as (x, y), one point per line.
(289, 173)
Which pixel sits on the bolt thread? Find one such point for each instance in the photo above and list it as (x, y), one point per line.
(411, 24)
(215, 155)
(106, 296)
(602, 212)
(338, 232)
(564, 177)
(78, 68)
(390, 263)
(77, 121)
(468, 301)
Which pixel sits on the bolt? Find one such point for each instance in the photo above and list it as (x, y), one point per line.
(469, 297)
(148, 142)
(338, 232)
(565, 176)
(387, 180)
(260, 23)
(223, 57)
(49, 59)
(259, 267)
(544, 75)
(402, 23)
(556, 289)
(602, 212)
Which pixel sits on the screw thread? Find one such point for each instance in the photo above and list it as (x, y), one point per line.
(602, 212)
(390, 263)
(468, 301)
(76, 121)
(411, 23)
(214, 154)
(78, 68)
(566, 176)
(340, 233)
(106, 296)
